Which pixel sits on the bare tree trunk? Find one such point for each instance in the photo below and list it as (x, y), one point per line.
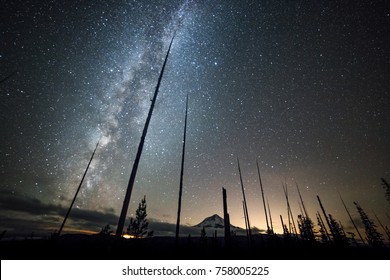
(246, 222)
(326, 217)
(244, 202)
(323, 226)
(350, 217)
(262, 195)
(300, 209)
(304, 209)
(384, 229)
(129, 190)
(283, 225)
(289, 212)
(78, 189)
(270, 217)
(226, 218)
(181, 175)
(303, 204)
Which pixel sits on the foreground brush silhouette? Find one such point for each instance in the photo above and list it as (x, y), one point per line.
(262, 247)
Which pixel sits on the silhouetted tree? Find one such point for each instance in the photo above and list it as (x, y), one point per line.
(323, 233)
(339, 237)
(286, 233)
(387, 232)
(190, 242)
(374, 238)
(203, 233)
(305, 226)
(138, 227)
(203, 237)
(106, 230)
(323, 236)
(386, 186)
(385, 229)
(352, 238)
(215, 239)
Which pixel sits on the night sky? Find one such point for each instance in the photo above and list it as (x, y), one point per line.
(301, 86)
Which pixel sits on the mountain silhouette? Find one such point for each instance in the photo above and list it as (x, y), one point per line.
(214, 221)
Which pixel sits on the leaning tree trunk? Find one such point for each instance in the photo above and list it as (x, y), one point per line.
(129, 190)
(78, 189)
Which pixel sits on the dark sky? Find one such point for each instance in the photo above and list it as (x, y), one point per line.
(301, 86)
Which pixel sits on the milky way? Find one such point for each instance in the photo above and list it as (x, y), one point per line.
(301, 87)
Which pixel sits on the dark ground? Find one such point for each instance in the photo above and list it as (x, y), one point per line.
(95, 247)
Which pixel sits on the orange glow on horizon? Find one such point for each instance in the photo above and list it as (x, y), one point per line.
(130, 236)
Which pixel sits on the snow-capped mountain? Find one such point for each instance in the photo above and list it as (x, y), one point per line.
(213, 221)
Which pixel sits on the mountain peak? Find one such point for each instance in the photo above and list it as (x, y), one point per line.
(214, 221)
(216, 217)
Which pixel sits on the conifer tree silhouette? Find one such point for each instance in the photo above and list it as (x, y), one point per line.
(386, 186)
(339, 237)
(138, 227)
(305, 226)
(106, 230)
(374, 238)
(323, 232)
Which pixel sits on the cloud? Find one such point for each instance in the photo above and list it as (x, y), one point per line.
(22, 215)
(32, 206)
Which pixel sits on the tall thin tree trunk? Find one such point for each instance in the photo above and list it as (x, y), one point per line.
(226, 218)
(289, 212)
(326, 217)
(270, 217)
(78, 189)
(246, 222)
(300, 209)
(350, 217)
(129, 190)
(323, 225)
(304, 209)
(262, 195)
(384, 229)
(181, 175)
(303, 204)
(245, 204)
(283, 225)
